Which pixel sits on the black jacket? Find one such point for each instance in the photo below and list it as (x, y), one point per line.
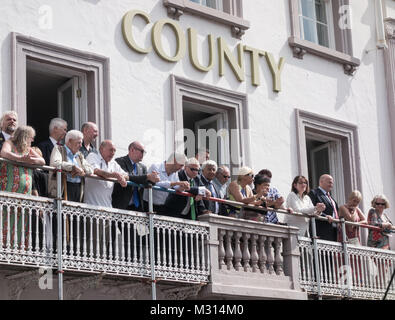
(210, 205)
(175, 203)
(324, 229)
(122, 196)
(46, 148)
(2, 139)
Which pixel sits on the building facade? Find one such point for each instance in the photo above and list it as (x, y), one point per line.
(295, 86)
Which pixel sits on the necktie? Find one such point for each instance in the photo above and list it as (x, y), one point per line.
(213, 194)
(192, 202)
(336, 216)
(136, 200)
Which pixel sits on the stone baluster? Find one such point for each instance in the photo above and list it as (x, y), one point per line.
(221, 248)
(237, 254)
(254, 253)
(229, 251)
(278, 259)
(246, 252)
(262, 254)
(269, 254)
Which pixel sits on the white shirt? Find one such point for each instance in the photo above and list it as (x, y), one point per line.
(159, 197)
(98, 192)
(302, 205)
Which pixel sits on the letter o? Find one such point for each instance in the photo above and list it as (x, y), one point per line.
(127, 29)
(157, 42)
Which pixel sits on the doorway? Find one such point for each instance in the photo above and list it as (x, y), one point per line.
(53, 92)
(210, 129)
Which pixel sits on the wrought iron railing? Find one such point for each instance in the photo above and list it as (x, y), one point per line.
(87, 238)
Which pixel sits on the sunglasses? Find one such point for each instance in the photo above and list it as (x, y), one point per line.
(193, 169)
(380, 203)
(226, 177)
(141, 150)
(250, 175)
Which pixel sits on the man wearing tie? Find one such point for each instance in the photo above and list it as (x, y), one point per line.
(57, 132)
(325, 230)
(188, 207)
(131, 198)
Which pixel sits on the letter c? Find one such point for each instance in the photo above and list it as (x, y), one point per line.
(127, 29)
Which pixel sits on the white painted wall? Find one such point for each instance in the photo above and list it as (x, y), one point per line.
(140, 87)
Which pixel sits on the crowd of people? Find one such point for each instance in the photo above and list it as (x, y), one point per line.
(74, 151)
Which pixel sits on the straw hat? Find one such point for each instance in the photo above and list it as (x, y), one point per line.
(245, 170)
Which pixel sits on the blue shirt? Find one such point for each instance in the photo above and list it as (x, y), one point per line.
(72, 158)
(271, 216)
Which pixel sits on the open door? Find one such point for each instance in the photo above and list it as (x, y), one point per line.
(212, 132)
(326, 159)
(69, 103)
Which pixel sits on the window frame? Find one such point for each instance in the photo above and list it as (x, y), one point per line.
(233, 18)
(95, 67)
(342, 53)
(234, 103)
(346, 134)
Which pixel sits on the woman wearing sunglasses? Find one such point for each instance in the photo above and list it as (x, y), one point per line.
(241, 191)
(377, 217)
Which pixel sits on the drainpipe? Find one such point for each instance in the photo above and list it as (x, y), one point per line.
(381, 42)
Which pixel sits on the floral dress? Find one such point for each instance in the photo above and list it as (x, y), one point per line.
(377, 239)
(15, 179)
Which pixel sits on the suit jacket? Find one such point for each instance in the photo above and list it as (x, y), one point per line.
(121, 196)
(2, 139)
(175, 203)
(324, 229)
(46, 148)
(210, 205)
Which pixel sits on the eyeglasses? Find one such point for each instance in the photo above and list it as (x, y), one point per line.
(193, 169)
(226, 177)
(380, 203)
(141, 150)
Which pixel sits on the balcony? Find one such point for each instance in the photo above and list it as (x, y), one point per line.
(107, 253)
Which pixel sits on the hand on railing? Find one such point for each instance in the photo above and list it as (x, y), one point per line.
(76, 171)
(153, 177)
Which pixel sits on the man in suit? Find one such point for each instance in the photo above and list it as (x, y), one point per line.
(131, 198)
(209, 169)
(57, 132)
(8, 123)
(188, 207)
(325, 230)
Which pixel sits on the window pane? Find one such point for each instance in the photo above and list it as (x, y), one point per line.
(322, 33)
(309, 30)
(196, 1)
(320, 11)
(211, 3)
(308, 8)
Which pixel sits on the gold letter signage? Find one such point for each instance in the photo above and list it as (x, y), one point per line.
(225, 55)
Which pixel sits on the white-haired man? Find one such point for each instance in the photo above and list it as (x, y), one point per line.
(188, 207)
(8, 123)
(209, 169)
(168, 175)
(75, 166)
(73, 163)
(90, 132)
(57, 132)
(222, 180)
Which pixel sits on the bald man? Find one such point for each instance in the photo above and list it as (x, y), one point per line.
(325, 230)
(131, 198)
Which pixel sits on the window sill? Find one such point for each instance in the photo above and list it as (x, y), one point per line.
(175, 8)
(300, 47)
